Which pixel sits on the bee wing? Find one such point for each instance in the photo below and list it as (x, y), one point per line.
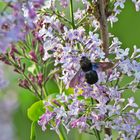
(103, 66)
(74, 81)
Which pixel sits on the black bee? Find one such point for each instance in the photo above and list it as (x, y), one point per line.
(90, 70)
(91, 75)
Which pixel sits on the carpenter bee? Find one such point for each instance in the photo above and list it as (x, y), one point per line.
(90, 70)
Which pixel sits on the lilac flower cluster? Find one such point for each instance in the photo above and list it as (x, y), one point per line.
(88, 107)
(118, 6)
(107, 109)
(17, 19)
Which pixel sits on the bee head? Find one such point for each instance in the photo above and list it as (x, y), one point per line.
(85, 64)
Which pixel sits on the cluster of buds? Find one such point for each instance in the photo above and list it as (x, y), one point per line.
(27, 62)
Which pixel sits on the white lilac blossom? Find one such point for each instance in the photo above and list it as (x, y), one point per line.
(64, 3)
(108, 137)
(96, 25)
(79, 14)
(137, 4)
(49, 4)
(118, 5)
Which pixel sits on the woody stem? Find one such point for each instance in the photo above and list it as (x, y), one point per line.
(104, 36)
(103, 25)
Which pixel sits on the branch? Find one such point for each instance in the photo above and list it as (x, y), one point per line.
(103, 25)
(104, 36)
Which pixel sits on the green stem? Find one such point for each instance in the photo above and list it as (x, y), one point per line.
(61, 17)
(71, 14)
(61, 137)
(26, 77)
(38, 94)
(32, 133)
(56, 12)
(45, 91)
(80, 21)
(63, 131)
(97, 134)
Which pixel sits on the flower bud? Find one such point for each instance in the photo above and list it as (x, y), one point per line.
(41, 50)
(24, 83)
(32, 78)
(40, 78)
(33, 56)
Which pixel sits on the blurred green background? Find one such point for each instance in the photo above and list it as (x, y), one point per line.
(127, 29)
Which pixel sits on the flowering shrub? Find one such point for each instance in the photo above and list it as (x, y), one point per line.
(80, 58)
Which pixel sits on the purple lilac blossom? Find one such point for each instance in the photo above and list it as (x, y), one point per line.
(79, 112)
(14, 26)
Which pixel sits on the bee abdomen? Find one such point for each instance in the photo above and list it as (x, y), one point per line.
(91, 77)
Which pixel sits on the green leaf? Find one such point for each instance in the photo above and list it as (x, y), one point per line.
(29, 39)
(35, 111)
(52, 87)
(69, 91)
(32, 135)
